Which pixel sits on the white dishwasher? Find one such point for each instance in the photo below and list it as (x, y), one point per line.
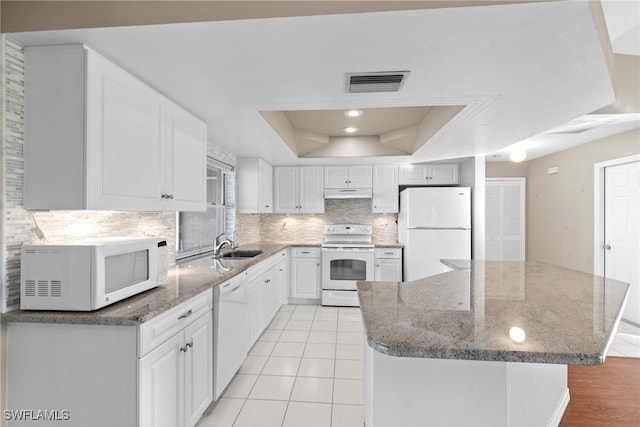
(230, 330)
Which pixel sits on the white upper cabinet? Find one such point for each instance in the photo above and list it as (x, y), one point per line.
(348, 177)
(429, 174)
(299, 189)
(255, 185)
(385, 189)
(99, 138)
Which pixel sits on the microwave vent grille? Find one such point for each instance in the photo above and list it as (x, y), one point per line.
(43, 288)
(43, 251)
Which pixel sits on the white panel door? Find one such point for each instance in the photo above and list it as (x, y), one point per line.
(413, 175)
(162, 384)
(311, 190)
(186, 160)
(305, 278)
(505, 218)
(286, 190)
(336, 177)
(360, 177)
(443, 174)
(425, 248)
(265, 198)
(198, 368)
(388, 270)
(385, 189)
(622, 231)
(126, 136)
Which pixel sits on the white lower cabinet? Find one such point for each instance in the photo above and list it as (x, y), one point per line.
(306, 276)
(156, 374)
(265, 289)
(175, 378)
(388, 265)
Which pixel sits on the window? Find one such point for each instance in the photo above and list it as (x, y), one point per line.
(196, 231)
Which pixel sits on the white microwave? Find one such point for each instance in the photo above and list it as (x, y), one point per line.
(88, 275)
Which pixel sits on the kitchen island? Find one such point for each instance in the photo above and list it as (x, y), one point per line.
(485, 344)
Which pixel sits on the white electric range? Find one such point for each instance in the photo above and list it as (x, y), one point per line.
(347, 256)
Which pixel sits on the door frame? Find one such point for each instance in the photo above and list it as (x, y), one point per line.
(598, 208)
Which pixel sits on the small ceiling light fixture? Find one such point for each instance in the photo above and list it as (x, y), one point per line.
(353, 113)
(517, 155)
(350, 129)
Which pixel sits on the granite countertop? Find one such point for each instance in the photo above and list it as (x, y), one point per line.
(184, 281)
(388, 245)
(568, 317)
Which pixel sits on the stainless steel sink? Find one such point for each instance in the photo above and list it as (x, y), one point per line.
(241, 253)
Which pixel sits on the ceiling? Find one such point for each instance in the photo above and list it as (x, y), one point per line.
(509, 71)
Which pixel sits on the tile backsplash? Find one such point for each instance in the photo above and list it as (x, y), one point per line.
(310, 227)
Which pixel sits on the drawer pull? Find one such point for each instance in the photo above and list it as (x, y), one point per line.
(389, 253)
(235, 289)
(305, 252)
(187, 314)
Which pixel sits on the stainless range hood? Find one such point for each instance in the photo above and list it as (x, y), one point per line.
(348, 193)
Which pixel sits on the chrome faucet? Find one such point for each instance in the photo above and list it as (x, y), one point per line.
(219, 244)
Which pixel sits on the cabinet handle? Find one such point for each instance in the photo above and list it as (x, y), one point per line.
(235, 289)
(305, 252)
(377, 265)
(167, 196)
(266, 206)
(187, 346)
(185, 315)
(267, 281)
(388, 253)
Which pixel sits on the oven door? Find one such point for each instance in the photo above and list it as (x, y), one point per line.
(343, 267)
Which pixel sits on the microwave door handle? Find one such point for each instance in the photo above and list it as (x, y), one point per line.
(185, 315)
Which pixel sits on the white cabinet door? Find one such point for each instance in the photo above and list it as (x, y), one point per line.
(385, 189)
(443, 174)
(360, 177)
(305, 278)
(185, 187)
(161, 382)
(99, 138)
(273, 298)
(125, 146)
(311, 189)
(336, 176)
(286, 186)
(347, 177)
(388, 270)
(198, 368)
(283, 280)
(265, 195)
(255, 185)
(256, 293)
(412, 175)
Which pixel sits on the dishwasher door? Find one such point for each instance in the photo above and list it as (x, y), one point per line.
(231, 331)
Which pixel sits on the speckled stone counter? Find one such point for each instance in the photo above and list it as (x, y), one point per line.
(185, 280)
(568, 317)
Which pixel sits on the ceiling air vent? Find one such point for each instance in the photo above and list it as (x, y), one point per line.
(387, 81)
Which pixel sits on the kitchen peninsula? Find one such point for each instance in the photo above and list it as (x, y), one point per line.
(485, 344)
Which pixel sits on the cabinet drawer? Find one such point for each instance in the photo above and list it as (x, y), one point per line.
(388, 253)
(306, 252)
(160, 328)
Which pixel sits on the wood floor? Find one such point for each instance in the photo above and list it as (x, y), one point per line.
(606, 395)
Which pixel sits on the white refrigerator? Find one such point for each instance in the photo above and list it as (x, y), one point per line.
(433, 223)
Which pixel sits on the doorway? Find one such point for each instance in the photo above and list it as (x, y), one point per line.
(505, 219)
(617, 218)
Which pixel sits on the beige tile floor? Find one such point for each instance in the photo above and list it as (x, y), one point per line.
(626, 342)
(304, 370)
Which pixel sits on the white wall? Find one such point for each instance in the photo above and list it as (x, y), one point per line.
(472, 174)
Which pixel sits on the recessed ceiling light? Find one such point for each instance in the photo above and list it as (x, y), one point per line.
(353, 113)
(517, 155)
(350, 129)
